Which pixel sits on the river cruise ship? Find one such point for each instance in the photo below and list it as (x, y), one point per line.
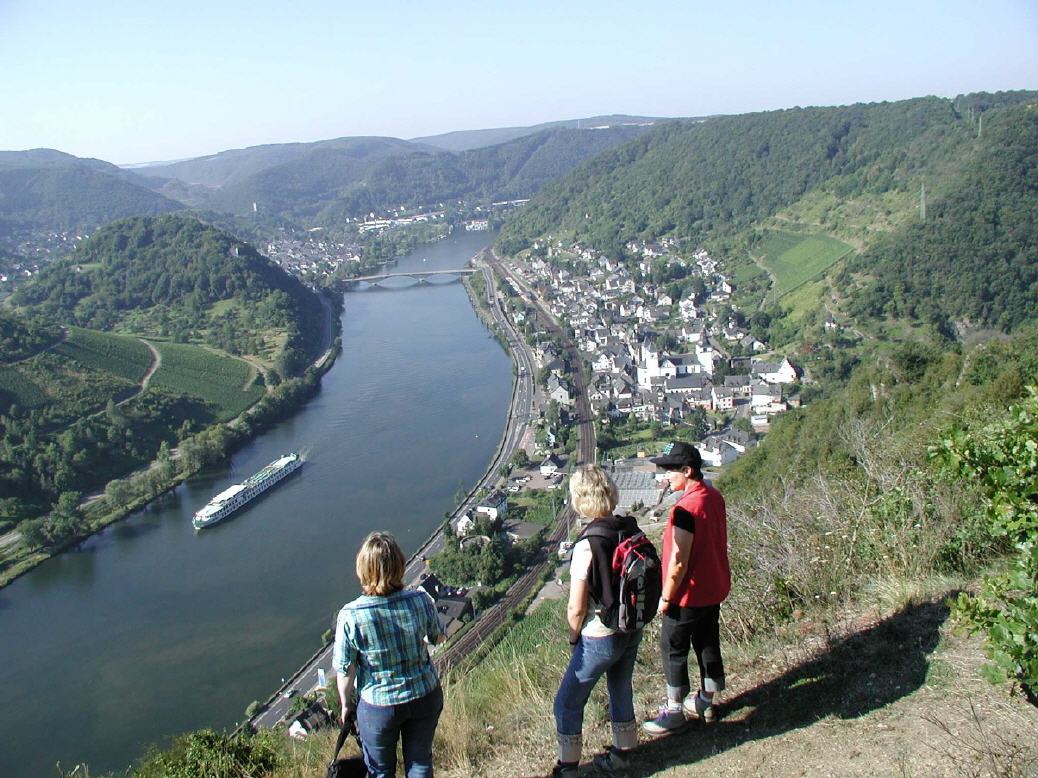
(240, 495)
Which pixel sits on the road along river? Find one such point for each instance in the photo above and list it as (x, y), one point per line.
(152, 629)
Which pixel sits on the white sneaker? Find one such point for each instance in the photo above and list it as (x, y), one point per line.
(695, 707)
(668, 722)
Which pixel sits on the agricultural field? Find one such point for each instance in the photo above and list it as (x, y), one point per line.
(67, 390)
(123, 356)
(794, 259)
(16, 389)
(226, 383)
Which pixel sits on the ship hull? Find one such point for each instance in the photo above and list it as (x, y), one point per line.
(245, 493)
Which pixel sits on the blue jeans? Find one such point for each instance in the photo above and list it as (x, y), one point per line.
(380, 726)
(615, 656)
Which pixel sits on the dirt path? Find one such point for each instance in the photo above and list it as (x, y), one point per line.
(156, 363)
(898, 695)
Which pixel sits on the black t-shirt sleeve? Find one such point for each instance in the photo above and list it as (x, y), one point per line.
(684, 520)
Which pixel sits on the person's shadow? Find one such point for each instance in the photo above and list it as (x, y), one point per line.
(856, 675)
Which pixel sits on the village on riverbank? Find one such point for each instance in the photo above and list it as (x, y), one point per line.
(640, 364)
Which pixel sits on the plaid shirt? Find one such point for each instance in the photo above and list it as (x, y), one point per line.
(384, 637)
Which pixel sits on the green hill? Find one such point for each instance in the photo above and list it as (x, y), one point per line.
(852, 174)
(973, 260)
(328, 181)
(464, 140)
(175, 277)
(513, 170)
(45, 189)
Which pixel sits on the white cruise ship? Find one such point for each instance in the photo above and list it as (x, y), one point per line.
(239, 495)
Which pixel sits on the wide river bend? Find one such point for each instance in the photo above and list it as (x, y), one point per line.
(152, 629)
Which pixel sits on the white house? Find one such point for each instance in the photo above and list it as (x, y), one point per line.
(550, 465)
(776, 372)
(494, 506)
(717, 453)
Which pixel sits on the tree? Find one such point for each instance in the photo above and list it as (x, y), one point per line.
(742, 424)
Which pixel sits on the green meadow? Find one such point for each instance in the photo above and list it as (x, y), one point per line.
(124, 356)
(794, 259)
(224, 382)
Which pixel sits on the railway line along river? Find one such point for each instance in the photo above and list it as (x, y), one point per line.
(152, 628)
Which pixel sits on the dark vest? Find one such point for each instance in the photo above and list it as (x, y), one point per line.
(600, 582)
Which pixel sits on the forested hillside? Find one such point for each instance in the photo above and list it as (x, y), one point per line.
(155, 332)
(328, 181)
(855, 173)
(973, 260)
(175, 277)
(48, 190)
(514, 170)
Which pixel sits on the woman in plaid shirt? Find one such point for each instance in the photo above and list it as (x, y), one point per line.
(381, 643)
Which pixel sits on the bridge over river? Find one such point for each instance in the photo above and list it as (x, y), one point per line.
(420, 276)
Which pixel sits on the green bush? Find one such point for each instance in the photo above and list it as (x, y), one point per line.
(214, 755)
(1003, 458)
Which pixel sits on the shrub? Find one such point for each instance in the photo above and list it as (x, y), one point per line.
(1003, 458)
(215, 755)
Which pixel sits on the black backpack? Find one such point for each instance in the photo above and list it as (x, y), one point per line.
(637, 577)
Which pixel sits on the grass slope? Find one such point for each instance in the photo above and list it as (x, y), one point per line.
(224, 382)
(117, 354)
(793, 259)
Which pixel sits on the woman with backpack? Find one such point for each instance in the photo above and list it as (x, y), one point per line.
(599, 645)
(381, 641)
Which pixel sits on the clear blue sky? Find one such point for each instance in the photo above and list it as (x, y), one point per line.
(142, 81)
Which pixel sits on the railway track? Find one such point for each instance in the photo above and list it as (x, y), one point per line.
(466, 644)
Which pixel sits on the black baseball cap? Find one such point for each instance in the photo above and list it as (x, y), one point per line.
(678, 454)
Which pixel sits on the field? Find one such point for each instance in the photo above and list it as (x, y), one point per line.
(222, 381)
(123, 356)
(16, 389)
(69, 390)
(794, 259)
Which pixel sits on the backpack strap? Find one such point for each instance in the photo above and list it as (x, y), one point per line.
(597, 530)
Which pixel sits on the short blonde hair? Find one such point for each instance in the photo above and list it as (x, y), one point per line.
(380, 564)
(592, 492)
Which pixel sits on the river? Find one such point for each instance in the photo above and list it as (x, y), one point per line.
(151, 629)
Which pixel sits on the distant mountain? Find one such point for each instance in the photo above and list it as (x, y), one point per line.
(305, 178)
(44, 189)
(229, 168)
(513, 170)
(463, 140)
(328, 181)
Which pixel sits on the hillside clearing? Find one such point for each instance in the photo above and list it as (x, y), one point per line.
(222, 381)
(793, 259)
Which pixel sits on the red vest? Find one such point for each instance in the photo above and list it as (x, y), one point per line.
(707, 579)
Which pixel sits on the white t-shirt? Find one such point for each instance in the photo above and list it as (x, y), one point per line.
(579, 569)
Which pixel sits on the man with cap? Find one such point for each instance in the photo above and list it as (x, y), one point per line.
(696, 580)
